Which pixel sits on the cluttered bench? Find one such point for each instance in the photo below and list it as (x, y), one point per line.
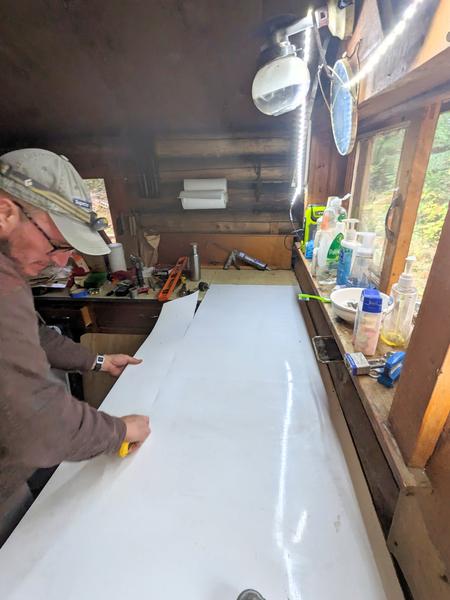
(105, 313)
(366, 403)
(109, 324)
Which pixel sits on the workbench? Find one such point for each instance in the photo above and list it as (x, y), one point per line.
(110, 314)
(249, 479)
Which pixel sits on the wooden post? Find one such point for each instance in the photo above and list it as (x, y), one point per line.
(413, 166)
(421, 403)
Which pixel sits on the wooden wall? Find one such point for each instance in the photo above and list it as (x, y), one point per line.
(146, 181)
(327, 169)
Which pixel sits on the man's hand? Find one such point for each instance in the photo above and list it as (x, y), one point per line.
(114, 364)
(138, 430)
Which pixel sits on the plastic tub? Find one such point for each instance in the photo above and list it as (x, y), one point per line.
(344, 302)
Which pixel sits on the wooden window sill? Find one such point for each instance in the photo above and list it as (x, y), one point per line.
(375, 398)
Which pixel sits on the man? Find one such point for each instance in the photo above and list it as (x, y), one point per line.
(45, 213)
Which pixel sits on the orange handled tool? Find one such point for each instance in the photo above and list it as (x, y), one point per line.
(172, 280)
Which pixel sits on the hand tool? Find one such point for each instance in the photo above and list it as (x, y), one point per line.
(236, 255)
(79, 294)
(172, 280)
(124, 449)
(392, 369)
(123, 288)
(138, 264)
(183, 291)
(312, 215)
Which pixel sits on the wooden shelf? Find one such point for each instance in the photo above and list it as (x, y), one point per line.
(375, 398)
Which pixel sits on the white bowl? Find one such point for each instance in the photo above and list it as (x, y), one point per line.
(343, 299)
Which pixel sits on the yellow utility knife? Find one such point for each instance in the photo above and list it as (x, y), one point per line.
(124, 449)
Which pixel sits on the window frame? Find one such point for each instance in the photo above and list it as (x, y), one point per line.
(361, 178)
(420, 127)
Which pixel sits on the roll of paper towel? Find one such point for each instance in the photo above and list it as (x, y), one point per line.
(195, 185)
(117, 258)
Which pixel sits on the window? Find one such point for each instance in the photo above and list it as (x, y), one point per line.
(100, 203)
(375, 181)
(434, 203)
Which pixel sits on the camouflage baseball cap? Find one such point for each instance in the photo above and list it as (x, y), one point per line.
(50, 182)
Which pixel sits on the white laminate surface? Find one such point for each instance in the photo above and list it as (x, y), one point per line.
(243, 482)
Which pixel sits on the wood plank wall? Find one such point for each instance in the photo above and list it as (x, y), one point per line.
(258, 170)
(327, 169)
(144, 175)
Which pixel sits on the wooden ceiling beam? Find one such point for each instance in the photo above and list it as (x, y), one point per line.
(421, 80)
(221, 147)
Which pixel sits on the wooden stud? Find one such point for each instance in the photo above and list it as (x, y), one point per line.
(414, 159)
(435, 416)
(421, 402)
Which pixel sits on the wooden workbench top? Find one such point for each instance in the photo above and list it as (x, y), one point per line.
(244, 276)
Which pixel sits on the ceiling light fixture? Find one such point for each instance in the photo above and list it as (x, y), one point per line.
(282, 83)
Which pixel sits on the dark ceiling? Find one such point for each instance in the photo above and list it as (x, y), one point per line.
(93, 67)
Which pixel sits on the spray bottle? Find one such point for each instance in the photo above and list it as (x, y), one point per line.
(316, 247)
(327, 242)
(361, 269)
(347, 252)
(397, 325)
(326, 273)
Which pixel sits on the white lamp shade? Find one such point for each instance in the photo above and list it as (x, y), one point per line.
(281, 85)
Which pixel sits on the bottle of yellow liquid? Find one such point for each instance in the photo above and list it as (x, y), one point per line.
(397, 325)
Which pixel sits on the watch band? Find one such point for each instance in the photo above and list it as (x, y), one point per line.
(99, 362)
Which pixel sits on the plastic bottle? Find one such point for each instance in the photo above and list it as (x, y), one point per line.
(335, 203)
(316, 246)
(327, 242)
(397, 325)
(368, 322)
(194, 263)
(341, 215)
(347, 252)
(361, 269)
(325, 275)
(309, 249)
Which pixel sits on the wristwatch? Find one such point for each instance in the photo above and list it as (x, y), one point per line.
(99, 362)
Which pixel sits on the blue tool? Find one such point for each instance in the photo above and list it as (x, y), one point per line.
(392, 369)
(79, 294)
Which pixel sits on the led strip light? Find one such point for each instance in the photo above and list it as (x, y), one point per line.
(388, 41)
(302, 125)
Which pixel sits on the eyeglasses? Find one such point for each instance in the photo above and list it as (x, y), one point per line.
(56, 248)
